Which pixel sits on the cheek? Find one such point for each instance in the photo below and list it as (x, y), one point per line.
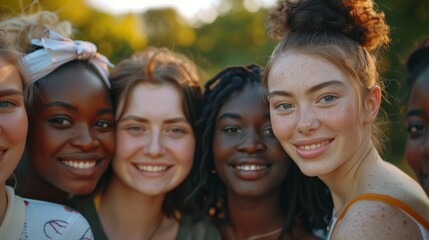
(184, 150)
(412, 153)
(126, 146)
(282, 127)
(108, 140)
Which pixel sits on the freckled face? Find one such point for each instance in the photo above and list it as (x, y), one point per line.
(13, 119)
(315, 113)
(248, 158)
(156, 143)
(417, 122)
(71, 136)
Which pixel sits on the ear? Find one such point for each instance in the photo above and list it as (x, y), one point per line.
(372, 104)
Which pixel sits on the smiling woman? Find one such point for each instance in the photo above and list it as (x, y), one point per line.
(71, 136)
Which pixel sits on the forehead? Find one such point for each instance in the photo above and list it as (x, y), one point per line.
(9, 74)
(249, 100)
(297, 70)
(419, 92)
(155, 98)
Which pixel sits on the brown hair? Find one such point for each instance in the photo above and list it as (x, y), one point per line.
(161, 66)
(346, 33)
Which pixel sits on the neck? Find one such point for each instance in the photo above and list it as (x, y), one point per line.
(250, 217)
(346, 182)
(128, 214)
(30, 185)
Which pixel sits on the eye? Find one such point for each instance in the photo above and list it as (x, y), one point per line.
(283, 106)
(60, 121)
(6, 104)
(177, 132)
(268, 131)
(103, 124)
(416, 129)
(232, 130)
(327, 99)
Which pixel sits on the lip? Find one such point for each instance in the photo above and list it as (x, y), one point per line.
(250, 168)
(82, 165)
(152, 169)
(313, 148)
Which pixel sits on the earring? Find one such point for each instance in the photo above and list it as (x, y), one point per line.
(213, 171)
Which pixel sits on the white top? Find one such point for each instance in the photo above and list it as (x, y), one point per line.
(33, 219)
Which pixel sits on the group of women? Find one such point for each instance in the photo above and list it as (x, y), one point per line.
(141, 151)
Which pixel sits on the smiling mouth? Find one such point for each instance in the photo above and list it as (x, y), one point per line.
(152, 168)
(250, 167)
(314, 146)
(80, 164)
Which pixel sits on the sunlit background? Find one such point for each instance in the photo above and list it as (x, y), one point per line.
(219, 33)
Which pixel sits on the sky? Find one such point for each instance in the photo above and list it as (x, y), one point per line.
(201, 10)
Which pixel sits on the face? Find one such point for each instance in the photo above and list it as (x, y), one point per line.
(417, 122)
(156, 142)
(13, 119)
(71, 140)
(319, 121)
(248, 158)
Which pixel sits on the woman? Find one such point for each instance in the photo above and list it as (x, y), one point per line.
(71, 135)
(252, 188)
(22, 218)
(326, 123)
(157, 98)
(417, 115)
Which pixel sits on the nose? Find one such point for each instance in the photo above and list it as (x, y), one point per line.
(307, 122)
(84, 138)
(154, 147)
(251, 143)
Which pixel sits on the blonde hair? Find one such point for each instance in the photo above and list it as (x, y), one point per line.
(22, 28)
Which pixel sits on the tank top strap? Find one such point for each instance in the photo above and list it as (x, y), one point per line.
(387, 199)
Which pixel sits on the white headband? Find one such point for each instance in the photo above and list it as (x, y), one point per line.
(58, 50)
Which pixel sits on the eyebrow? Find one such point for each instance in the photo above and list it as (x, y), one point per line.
(144, 120)
(60, 104)
(229, 115)
(415, 112)
(308, 91)
(104, 111)
(7, 92)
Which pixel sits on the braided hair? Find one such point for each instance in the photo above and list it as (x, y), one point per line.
(300, 196)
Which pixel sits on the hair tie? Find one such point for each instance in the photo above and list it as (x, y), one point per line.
(57, 50)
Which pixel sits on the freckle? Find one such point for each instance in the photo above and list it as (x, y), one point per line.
(382, 215)
(388, 228)
(405, 222)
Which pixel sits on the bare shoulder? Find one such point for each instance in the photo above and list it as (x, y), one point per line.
(368, 219)
(391, 181)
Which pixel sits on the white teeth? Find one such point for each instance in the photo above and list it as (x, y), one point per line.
(250, 167)
(79, 165)
(314, 146)
(151, 168)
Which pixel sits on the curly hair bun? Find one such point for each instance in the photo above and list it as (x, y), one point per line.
(356, 19)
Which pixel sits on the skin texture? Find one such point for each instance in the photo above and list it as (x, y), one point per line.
(320, 113)
(243, 137)
(325, 126)
(243, 143)
(154, 155)
(156, 143)
(13, 125)
(417, 122)
(71, 136)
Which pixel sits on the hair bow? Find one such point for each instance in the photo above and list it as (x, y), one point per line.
(57, 50)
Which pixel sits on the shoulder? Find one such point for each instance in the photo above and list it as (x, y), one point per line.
(56, 220)
(190, 228)
(398, 185)
(369, 219)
